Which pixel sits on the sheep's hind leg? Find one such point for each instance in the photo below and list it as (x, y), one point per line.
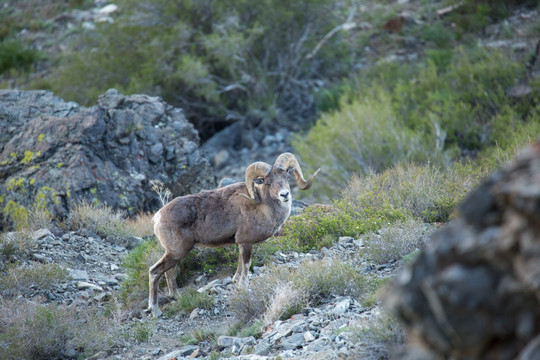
(170, 275)
(165, 263)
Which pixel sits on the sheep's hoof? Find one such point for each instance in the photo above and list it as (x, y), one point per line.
(154, 311)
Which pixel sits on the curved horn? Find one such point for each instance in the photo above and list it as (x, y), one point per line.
(253, 171)
(288, 160)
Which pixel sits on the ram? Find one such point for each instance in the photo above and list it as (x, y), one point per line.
(241, 213)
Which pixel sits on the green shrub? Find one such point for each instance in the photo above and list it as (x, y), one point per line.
(14, 245)
(209, 58)
(377, 340)
(426, 192)
(449, 108)
(14, 55)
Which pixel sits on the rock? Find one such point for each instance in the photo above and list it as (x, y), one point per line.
(296, 340)
(308, 336)
(182, 353)
(83, 285)
(42, 233)
(208, 286)
(230, 341)
(66, 152)
(473, 292)
(194, 314)
(78, 275)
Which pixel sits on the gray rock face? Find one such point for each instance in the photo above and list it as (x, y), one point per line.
(474, 293)
(106, 153)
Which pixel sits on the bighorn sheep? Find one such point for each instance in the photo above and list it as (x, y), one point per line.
(241, 213)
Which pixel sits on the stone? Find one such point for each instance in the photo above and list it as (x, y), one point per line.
(42, 233)
(83, 285)
(78, 275)
(99, 153)
(230, 341)
(194, 314)
(208, 286)
(342, 306)
(182, 353)
(308, 336)
(477, 282)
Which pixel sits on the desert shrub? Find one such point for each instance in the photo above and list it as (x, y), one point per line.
(100, 219)
(363, 136)
(137, 263)
(379, 339)
(32, 331)
(426, 192)
(282, 292)
(425, 113)
(397, 240)
(320, 226)
(17, 279)
(14, 245)
(209, 58)
(141, 225)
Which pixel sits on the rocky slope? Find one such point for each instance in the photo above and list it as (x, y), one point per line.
(95, 276)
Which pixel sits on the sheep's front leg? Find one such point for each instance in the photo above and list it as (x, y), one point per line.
(244, 262)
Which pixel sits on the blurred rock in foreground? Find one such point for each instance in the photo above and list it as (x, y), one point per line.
(474, 293)
(53, 153)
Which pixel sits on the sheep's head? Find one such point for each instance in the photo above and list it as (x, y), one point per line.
(272, 181)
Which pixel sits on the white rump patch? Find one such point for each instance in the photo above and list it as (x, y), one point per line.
(156, 217)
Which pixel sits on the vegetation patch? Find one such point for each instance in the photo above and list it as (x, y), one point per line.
(32, 331)
(282, 292)
(19, 279)
(97, 218)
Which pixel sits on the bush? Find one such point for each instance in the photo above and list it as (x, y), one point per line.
(396, 241)
(32, 331)
(211, 59)
(189, 300)
(379, 339)
(99, 219)
(426, 192)
(14, 55)
(19, 279)
(282, 292)
(429, 113)
(15, 245)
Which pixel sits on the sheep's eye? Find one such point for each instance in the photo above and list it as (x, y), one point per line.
(258, 181)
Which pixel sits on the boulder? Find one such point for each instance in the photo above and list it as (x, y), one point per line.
(474, 292)
(54, 153)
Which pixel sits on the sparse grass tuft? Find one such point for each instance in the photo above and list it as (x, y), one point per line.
(200, 336)
(14, 245)
(189, 300)
(100, 219)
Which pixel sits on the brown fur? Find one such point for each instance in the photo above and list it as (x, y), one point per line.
(217, 218)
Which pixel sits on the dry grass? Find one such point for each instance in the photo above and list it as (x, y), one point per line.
(19, 279)
(282, 292)
(32, 331)
(141, 225)
(100, 219)
(425, 191)
(14, 245)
